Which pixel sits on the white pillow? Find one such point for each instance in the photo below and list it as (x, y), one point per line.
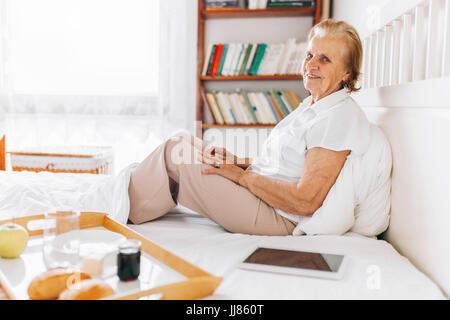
(359, 201)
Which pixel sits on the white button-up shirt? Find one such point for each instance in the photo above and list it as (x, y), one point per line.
(335, 122)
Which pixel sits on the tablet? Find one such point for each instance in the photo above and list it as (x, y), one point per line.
(303, 263)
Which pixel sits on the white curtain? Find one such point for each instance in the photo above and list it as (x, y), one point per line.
(133, 123)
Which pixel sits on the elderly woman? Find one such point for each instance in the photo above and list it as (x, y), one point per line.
(301, 159)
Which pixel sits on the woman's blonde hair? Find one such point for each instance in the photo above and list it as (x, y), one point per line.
(355, 49)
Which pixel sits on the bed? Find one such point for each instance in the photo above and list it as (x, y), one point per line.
(409, 261)
(375, 270)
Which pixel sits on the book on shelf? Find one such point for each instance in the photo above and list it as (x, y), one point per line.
(207, 110)
(221, 107)
(207, 57)
(239, 59)
(222, 59)
(243, 67)
(240, 56)
(277, 116)
(248, 107)
(291, 4)
(221, 3)
(278, 102)
(216, 61)
(215, 109)
(224, 101)
(257, 4)
(260, 51)
(211, 59)
(275, 106)
(228, 58)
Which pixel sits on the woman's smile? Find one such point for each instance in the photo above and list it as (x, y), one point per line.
(312, 76)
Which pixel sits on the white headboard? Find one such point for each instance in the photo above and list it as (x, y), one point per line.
(406, 93)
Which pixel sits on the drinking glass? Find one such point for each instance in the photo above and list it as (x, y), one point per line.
(61, 239)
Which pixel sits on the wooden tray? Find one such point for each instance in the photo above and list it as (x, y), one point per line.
(196, 282)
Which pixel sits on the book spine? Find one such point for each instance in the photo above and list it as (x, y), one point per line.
(222, 59)
(244, 106)
(233, 106)
(272, 109)
(278, 102)
(263, 65)
(228, 58)
(217, 59)
(249, 106)
(260, 114)
(251, 58)
(292, 4)
(222, 109)
(255, 108)
(235, 58)
(268, 113)
(230, 114)
(289, 103)
(214, 107)
(207, 107)
(294, 98)
(240, 107)
(283, 102)
(258, 59)
(221, 4)
(245, 60)
(275, 106)
(255, 57)
(239, 60)
(229, 107)
(240, 110)
(207, 57)
(211, 60)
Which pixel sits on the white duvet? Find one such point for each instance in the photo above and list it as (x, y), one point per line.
(27, 193)
(375, 269)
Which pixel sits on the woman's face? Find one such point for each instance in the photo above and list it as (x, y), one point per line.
(324, 69)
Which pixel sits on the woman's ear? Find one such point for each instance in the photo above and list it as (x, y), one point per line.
(347, 77)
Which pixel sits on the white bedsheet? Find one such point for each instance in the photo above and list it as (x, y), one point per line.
(375, 270)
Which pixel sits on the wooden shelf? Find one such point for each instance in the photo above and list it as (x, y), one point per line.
(247, 77)
(222, 13)
(208, 126)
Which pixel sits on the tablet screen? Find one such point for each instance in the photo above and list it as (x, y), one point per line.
(296, 259)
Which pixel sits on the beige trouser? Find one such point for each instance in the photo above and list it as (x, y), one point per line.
(172, 171)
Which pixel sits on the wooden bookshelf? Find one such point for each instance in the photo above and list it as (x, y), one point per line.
(224, 13)
(236, 13)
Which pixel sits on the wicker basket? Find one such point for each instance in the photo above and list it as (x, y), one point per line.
(74, 159)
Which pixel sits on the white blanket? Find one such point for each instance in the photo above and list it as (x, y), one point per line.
(28, 193)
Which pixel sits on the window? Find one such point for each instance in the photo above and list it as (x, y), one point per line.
(84, 47)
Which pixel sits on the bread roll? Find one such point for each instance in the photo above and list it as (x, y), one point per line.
(49, 284)
(87, 290)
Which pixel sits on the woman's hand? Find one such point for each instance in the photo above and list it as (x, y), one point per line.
(229, 171)
(215, 156)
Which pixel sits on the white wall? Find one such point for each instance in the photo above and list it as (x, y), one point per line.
(369, 15)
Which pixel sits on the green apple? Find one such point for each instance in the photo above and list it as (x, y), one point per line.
(13, 240)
